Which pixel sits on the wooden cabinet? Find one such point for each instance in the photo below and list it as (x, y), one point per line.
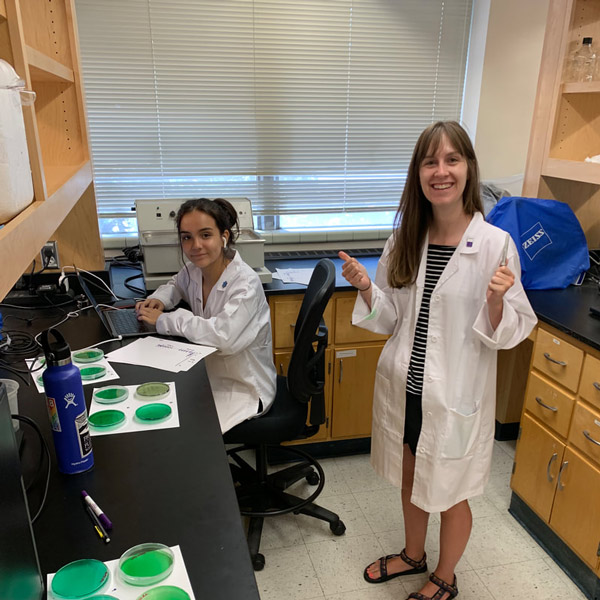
(566, 121)
(351, 360)
(39, 38)
(557, 461)
(534, 479)
(576, 511)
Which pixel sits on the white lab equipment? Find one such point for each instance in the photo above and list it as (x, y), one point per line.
(16, 189)
(159, 240)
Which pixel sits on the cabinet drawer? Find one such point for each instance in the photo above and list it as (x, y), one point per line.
(590, 381)
(549, 404)
(345, 332)
(558, 359)
(285, 313)
(585, 431)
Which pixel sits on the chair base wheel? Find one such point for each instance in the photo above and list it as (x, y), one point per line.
(312, 478)
(337, 528)
(258, 562)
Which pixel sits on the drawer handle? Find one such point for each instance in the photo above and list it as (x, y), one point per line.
(590, 438)
(341, 370)
(552, 459)
(562, 468)
(281, 368)
(292, 325)
(596, 385)
(539, 401)
(556, 362)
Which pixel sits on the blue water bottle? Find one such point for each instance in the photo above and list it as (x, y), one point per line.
(66, 406)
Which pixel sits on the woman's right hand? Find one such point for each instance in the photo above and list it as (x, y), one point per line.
(150, 303)
(354, 273)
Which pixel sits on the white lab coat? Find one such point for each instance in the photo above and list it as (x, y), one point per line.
(454, 451)
(236, 320)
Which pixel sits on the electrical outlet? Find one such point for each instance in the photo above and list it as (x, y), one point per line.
(49, 255)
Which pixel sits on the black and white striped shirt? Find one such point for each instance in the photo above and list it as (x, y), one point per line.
(437, 259)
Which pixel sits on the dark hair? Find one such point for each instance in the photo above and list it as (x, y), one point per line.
(220, 210)
(415, 214)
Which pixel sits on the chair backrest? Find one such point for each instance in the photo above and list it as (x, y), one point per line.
(306, 371)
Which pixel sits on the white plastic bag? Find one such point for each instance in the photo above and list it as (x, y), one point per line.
(16, 189)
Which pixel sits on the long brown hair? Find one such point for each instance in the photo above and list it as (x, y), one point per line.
(414, 214)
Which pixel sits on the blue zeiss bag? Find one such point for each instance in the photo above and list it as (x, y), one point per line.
(552, 246)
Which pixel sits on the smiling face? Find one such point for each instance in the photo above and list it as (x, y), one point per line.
(201, 239)
(443, 176)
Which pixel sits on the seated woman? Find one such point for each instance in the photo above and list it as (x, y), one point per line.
(228, 311)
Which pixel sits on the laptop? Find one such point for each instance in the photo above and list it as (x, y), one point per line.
(120, 321)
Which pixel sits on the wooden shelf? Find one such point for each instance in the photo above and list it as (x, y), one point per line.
(591, 87)
(44, 68)
(572, 170)
(59, 177)
(22, 237)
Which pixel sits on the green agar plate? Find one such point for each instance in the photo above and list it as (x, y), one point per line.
(165, 592)
(146, 564)
(96, 372)
(106, 418)
(153, 390)
(111, 394)
(88, 356)
(80, 579)
(40, 380)
(103, 597)
(153, 413)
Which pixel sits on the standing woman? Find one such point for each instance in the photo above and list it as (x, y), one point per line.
(448, 291)
(228, 310)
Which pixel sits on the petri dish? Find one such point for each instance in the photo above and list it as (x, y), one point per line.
(165, 592)
(88, 356)
(111, 394)
(40, 380)
(153, 390)
(153, 413)
(106, 418)
(80, 579)
(103, 597)
(96, 372)
(146, 564)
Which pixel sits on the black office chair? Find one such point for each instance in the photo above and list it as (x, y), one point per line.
(261, 494)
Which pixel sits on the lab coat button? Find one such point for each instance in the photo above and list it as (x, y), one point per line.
(437, 298)
(430, 379)
(422, 450)
(428, 414)
(433, 339)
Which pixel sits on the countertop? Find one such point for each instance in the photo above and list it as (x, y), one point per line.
(566, 309)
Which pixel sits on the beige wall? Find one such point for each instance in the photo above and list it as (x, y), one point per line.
(508, 86)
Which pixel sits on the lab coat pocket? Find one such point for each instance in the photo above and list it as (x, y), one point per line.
(461, 433)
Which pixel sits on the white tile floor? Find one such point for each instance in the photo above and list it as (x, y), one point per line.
(304, 561)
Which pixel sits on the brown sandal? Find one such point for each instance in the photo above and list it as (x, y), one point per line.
(444, 588)
(418, 566)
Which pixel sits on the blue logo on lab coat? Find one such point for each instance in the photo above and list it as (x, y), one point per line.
(534, 240)
(224, 284)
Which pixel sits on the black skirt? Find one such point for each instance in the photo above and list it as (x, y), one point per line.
(413, 417)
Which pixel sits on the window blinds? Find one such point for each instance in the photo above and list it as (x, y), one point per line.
(303, 106)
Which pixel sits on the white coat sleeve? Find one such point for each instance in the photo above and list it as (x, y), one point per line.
(173, 291)
(230, 331)
(382, 316)
(518, 318)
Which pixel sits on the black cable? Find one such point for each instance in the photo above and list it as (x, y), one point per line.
(132, 288)
(21, 342)
(15, 372)
(33, 424)
(37, 307)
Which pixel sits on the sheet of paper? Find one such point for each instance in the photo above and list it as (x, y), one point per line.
(163, 354)
(301, 276)
(129, 407)
(110, 372)
(179, 578)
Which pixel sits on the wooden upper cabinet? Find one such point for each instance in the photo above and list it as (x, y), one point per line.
(39, 38)
(566, 121)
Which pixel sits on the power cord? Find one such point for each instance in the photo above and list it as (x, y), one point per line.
(45, 448)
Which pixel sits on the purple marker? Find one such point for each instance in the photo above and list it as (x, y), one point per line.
(97, 510)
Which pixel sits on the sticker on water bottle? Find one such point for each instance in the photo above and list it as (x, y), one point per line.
(85, 440)
(53, 414)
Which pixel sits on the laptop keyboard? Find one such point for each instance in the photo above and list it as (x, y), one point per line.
(125, 321)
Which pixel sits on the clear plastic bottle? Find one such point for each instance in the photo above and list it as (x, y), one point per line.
(584, 62)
